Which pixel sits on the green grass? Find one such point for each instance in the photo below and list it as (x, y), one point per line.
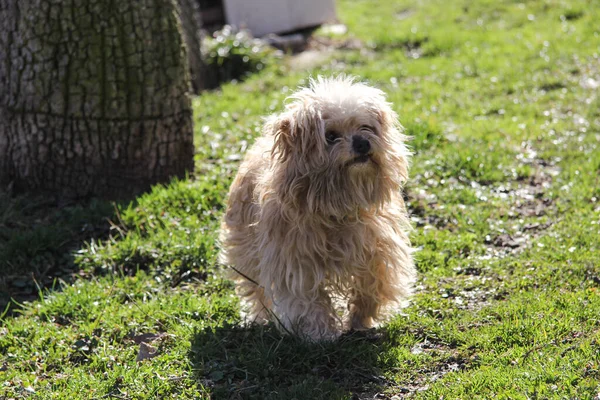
(501, 100)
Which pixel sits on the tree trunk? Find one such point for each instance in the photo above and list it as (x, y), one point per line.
(191, 24)
(94, 97)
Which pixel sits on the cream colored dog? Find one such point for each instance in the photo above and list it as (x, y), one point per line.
(315, 214)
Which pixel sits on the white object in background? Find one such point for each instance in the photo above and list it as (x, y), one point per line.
(277, 16)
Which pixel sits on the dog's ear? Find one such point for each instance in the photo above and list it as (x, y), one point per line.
(298, 150)
(392, 132)
(281, 128)
(299, 131)
(389, 122)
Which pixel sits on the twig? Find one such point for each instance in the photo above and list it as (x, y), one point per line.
(263, 304)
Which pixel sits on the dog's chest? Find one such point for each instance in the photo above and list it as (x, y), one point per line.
(349, 246)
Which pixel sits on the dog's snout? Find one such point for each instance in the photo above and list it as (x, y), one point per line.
(361, 145)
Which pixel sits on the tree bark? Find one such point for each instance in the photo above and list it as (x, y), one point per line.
(191, 24)
(94, 97)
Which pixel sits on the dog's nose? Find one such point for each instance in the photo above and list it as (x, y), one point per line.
(361, 145)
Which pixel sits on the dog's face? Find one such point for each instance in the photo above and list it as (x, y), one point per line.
(338, 148)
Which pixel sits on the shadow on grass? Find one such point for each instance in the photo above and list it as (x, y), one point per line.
(37, 240)
(258, 362)
(169, 230)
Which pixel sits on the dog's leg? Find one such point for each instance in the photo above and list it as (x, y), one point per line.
(254, 296)
(312, 315)
(363, 308)
(320, 323)
(373, 290)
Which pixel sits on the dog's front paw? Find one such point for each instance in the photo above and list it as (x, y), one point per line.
(360, 323)
(320, 327)
(360, 318)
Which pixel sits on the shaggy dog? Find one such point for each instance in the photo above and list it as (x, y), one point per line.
(315, 214)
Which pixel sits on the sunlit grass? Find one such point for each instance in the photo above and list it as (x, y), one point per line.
(501, 101)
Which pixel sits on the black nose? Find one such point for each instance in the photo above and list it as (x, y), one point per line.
(361, 145)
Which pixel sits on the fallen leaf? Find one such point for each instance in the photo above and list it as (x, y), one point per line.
(146, 337)
(146, 352)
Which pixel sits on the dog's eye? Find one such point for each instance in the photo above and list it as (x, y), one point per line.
(367, 128)
(331, 136)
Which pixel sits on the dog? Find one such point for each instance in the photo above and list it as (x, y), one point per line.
(315, 216)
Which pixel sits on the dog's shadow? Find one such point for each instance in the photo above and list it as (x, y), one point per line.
(258, 362)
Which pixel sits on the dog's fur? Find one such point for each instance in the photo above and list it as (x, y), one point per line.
(309, 222)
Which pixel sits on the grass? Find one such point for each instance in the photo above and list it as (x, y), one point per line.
(501, 99)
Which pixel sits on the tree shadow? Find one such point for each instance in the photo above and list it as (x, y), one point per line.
(168, 230)
(38, 239)
(258, 362)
